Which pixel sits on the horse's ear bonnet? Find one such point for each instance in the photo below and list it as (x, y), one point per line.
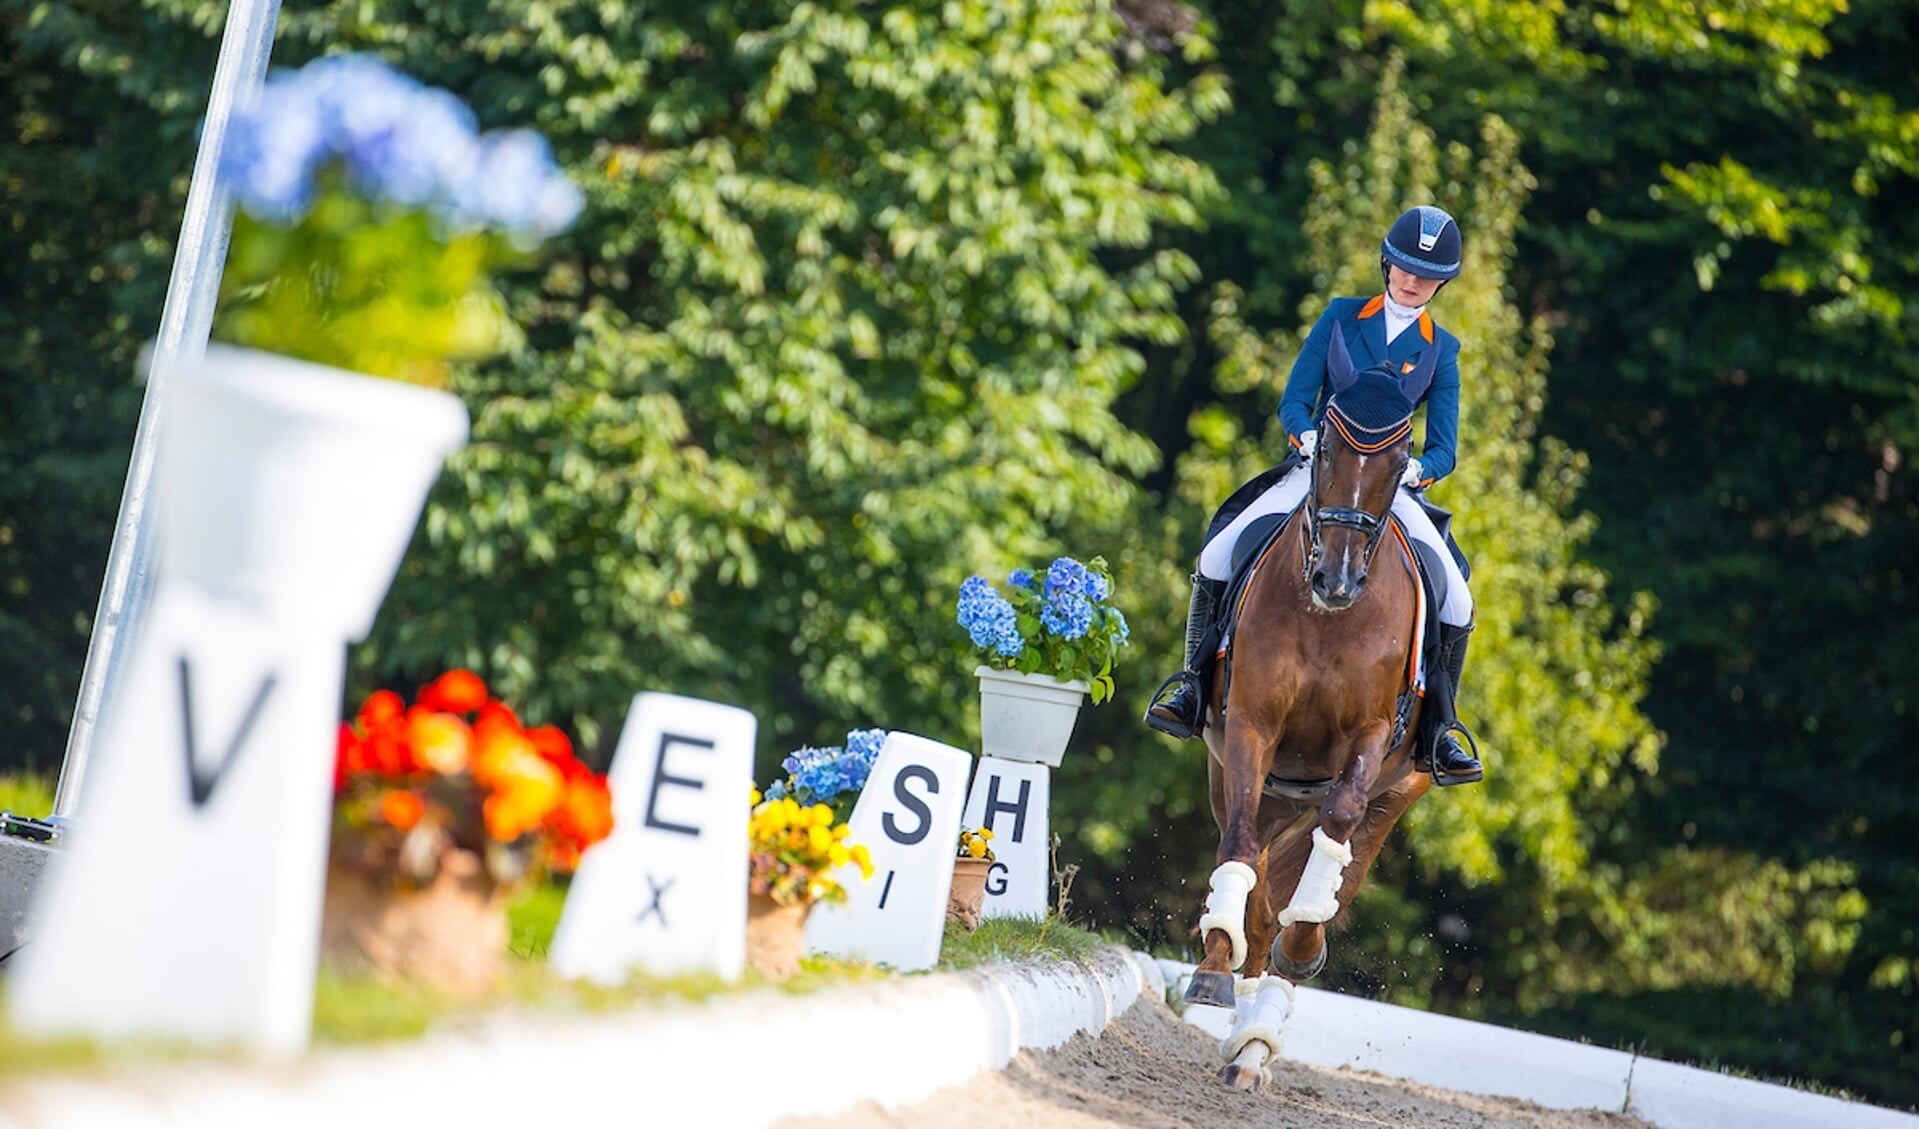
(1374, 403)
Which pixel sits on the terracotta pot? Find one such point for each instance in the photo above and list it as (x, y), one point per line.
(775, 935)
(450, 936)
(968, 895)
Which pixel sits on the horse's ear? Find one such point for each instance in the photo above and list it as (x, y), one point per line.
(1422, 374)
(1339, 362)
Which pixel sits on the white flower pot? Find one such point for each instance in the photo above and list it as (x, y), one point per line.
(1027, 717)
(294, 487)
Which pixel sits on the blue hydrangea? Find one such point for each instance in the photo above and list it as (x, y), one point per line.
(1068, 577)
(865, 744)
(395, 140)
(1023, 578)
(819, 774)
(1067, 616)
(989, 619)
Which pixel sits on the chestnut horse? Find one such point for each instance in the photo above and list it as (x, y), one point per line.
(1310, 730)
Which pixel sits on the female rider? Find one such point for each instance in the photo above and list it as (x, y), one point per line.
(1420, 254)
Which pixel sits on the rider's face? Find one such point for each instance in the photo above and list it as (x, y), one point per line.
(1409, 289)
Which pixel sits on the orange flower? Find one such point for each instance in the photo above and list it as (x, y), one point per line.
(402, 809)
(525, 788)
(440, 742)
(585, 815)
(456, 691)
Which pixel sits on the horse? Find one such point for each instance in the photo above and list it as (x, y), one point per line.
(1311, 720)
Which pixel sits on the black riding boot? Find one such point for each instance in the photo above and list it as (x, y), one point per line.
(1182, 715)
(1440, 751)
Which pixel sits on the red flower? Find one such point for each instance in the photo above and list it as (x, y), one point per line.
(557, 748)
(456, 691)
(382, 707)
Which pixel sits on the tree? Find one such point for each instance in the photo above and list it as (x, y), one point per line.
(98, 115)
(844, 324)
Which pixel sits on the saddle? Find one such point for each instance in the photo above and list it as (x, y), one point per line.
(1253, 543)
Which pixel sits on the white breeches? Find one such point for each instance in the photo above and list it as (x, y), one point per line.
(1284, 496)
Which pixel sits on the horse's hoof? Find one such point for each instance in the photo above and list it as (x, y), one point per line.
(1298, 971)
(1214, 988)
(1243, 1078)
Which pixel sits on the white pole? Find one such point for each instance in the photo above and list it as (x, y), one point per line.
(185, 320)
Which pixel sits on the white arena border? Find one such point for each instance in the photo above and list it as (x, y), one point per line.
(742, 1061)
(1331, 1030)
(752, 1059)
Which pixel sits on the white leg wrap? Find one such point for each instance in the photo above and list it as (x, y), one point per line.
(1226, 906)
(1316, 898)
(1265, 1004)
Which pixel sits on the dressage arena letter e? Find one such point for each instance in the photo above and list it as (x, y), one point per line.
(1010, 799)
(666, 891)
(908, 815)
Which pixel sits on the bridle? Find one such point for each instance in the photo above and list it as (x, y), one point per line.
(1366, 442)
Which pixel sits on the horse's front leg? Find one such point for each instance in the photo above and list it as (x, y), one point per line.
(1237, 776)
(1315, 898)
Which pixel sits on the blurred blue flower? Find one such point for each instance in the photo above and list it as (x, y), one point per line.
(396, 140)
(271, 154)
(517, 187)
(1022, 578)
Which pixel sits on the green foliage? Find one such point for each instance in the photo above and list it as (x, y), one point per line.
(26, 794)
(364, 288)
(1001, 940)
(843, 324)
(866, 301)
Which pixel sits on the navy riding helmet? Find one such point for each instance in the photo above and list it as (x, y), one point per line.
(1425, 242)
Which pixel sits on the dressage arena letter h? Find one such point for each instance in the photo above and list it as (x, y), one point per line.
(667, 890)
(1017, 884)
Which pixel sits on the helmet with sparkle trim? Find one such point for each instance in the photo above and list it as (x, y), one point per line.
(1424, 242)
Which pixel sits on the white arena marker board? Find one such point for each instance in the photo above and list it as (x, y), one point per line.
(908, 816)
(1010, 798)
(187, 903)
(666, 892)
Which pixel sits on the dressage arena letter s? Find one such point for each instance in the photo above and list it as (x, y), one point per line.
(913, 804)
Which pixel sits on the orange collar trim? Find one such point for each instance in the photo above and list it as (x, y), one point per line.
(1426, 326)
(1369, 309)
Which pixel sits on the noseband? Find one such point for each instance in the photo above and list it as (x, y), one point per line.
(1367, 442)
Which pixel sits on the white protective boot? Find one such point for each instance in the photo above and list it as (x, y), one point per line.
(1316, 898)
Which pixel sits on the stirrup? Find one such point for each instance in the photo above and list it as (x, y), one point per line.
(1180, 727)
(1442, 778)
